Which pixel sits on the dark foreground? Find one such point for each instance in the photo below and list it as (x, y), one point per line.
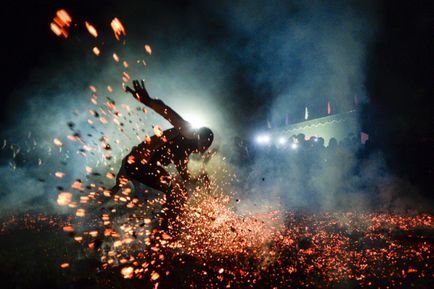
(329, 250)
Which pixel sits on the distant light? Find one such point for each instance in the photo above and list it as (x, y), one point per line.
(263, 139)
(281, 140)
(294, 146)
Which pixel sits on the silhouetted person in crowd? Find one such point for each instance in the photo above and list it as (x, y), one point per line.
(147, 161)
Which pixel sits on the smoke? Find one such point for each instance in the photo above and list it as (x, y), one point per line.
(309, 54)
(232, 65)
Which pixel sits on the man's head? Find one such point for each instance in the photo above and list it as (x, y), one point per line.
(204, 139)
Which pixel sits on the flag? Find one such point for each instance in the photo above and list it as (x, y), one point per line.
(329, 108)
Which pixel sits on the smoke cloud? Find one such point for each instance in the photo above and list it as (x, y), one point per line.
(232, 65)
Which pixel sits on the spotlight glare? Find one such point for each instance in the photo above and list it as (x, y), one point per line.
(294, 146)
(282, 140)
(263, 139)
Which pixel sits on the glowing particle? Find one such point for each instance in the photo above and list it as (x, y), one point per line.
(60, 23)
(64, 265)
(127, 272)
(115, 57)
(64, 17)
(158, 131)
(80, 212)
(68, 229)
(118, 28)
(57, 142)
(155, 276)
(64, 199)
(110, 175)
(148, 49)
(91, 29)
(96, 51)
(56, 29)
(59, 174)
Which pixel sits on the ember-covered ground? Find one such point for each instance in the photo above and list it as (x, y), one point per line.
(338, 250)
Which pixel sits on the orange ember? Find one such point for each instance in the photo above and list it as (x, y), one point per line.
(118, 28)
(91, 29)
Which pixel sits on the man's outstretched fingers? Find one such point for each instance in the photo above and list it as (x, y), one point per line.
(128, 89)
(136, 84)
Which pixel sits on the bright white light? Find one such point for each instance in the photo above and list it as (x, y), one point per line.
(294, 146)
(263, 139)
(195, 120)
(281, 140)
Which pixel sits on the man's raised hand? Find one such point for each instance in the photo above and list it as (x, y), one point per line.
(139, 92)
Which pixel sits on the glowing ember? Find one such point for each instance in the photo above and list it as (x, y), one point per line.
(80, 212)
(155, 276)
(57, 142)
(64, 265)
(118, 28)
(68, 229)
(148, 49)
(91, 29)
(115, 57)
(61, 23)
(59, 174)
(96, 51)
(64, 199)
(56, 29)
(158, 131)
(127, 272)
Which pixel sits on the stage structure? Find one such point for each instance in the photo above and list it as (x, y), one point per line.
(339, 126)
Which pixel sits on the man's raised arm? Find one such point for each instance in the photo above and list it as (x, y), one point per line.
(141, 94)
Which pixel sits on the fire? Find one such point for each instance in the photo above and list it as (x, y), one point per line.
(118, 28)
(91, 29)
(64, 199)
(127, 272)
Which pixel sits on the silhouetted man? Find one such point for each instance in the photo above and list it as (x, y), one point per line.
(146, 162)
